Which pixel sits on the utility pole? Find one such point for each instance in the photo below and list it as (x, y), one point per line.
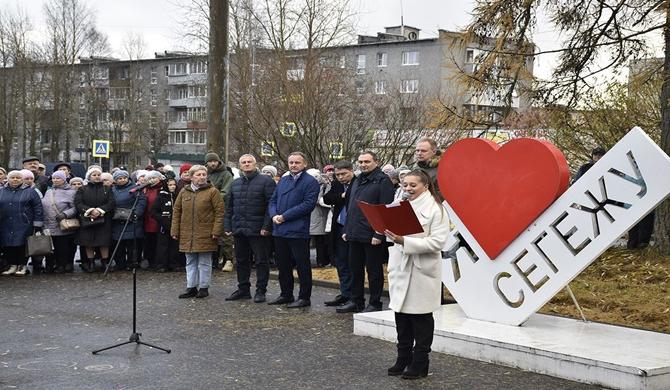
(217, 70)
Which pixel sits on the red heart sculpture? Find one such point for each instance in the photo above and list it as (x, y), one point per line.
(499, 191)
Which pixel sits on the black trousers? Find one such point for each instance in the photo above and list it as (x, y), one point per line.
(245, 247)
(64, 250)
(415, 335)
(365, 256)
(290, 253)
(640, 234)
(150, 240)
(321, 246)
(15, 255)
(126, 254)
(167, 252)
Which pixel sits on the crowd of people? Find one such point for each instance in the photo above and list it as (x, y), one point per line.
(202, 217)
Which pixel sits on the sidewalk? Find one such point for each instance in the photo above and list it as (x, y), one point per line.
(50, 324)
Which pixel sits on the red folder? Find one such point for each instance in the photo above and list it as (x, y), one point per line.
(398, 218)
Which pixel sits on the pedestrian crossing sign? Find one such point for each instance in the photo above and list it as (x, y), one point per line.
(100, 148)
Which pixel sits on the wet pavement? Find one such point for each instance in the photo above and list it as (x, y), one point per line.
(49, 324)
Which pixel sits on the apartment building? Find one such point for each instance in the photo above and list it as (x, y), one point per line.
(156, 108)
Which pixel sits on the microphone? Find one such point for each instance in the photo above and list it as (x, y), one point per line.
(139, 187)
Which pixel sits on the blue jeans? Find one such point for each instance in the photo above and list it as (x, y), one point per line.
(198, 269)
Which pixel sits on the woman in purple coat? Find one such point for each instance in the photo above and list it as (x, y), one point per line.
(58, 204)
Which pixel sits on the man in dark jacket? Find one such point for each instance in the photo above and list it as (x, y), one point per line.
(248, 221)
(427, 158)
(32, 164)
(221, 177)
(338, 196)
(365, 245)
(290, 208)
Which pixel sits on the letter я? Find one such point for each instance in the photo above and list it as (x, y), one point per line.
(398, 218)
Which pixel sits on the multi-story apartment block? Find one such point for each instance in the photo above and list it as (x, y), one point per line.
(157, 108)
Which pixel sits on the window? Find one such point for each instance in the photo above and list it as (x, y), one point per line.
(82, 101)
(167, 117)
(343, 61)
(360, 64)
(154, 97)
(117, 115)
(101, 116)
(166, 94)
(182, 93)
(118, 93)
(181, 116)
(153, 120)
(380, 114)
(469, 56)
(102, 93)
(380, 87)
(197, 114)
(167, 70)
(82, 79)
(178, 69)
(410, 86)
(124, 73)
(410, 58)
(100, 73)
(197, 137)
(198, 67)
(197, 91)
(360, 87)
(154, 75)
(177, 137)
(382, 60)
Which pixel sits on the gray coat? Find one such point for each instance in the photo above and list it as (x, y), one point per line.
(319, 217)
(63, 197)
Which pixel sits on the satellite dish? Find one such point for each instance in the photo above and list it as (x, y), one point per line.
(412, 35)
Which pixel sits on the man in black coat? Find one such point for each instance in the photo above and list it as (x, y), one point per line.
(32, 164)
(247, 220)
(365, 245)
(338, 196)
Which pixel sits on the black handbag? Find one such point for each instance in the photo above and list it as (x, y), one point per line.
(39, 245)
(87, 222)
(122, 214)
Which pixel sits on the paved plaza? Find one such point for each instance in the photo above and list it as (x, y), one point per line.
(49, 324)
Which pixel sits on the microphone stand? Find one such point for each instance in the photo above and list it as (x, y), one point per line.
(134, 336)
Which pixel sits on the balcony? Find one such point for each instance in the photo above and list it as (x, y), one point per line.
(187, 79)
(178, 102)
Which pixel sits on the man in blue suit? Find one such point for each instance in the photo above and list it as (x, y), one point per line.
(290, 208)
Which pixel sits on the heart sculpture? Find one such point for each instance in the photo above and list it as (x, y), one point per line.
(499, 191)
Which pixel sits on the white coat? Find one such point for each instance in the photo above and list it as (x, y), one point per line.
(415, 267)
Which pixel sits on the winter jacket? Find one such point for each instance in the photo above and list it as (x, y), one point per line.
(58, 204)
(415, 267)
(335, 199)
(220, 178)
(430, 167)
(151, 193)
(20, 212)
(294, 200)
(374, 188)
(318, 218)
(124, 199)
(247, 205)
(197, 216)
(95, 195)
(162, 209)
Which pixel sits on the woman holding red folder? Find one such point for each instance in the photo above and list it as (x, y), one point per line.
(414, 275)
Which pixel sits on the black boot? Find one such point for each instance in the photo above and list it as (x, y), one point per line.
(86, 266)
(202, 293)
(189, 293)
(417, 369)
(400, 363)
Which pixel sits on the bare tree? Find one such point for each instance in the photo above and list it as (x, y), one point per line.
(133, 46)
(597, 37)
(72, 34)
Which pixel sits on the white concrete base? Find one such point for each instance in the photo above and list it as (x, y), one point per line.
(606, 355)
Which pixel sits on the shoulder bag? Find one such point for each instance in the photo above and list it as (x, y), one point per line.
(67, 224)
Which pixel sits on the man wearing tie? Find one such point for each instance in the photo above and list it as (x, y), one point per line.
(338, 196)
